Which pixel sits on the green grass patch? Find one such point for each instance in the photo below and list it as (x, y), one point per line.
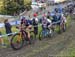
(69, 52)
(72, 52)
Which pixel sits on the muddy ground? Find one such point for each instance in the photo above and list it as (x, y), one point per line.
(46, 47)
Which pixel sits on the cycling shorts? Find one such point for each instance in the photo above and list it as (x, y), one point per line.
(36, 30)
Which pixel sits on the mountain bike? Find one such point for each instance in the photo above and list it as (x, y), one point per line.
(18, 39)
(45, 33)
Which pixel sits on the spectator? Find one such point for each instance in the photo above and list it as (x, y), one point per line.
(7, 27)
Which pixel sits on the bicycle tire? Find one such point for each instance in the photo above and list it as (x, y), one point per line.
(31, 39)
(64, 27)
(41, 35)
(12, 44)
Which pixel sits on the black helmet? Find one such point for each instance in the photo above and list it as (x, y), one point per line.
(23, 19)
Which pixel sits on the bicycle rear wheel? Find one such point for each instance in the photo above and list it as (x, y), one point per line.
(64, 27)
(17, 41)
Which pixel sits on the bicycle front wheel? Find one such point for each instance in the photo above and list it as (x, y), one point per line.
(42, 34)
(17, 41)
(64, 27)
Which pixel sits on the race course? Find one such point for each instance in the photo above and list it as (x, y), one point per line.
(46, 47)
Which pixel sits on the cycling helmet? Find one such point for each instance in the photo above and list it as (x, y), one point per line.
(34, 14)
(23, 19)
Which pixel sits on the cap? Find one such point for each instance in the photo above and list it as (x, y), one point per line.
(34, 14)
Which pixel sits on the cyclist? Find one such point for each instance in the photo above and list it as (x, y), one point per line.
(35, 23)
(56, 18)
(25, 24)
(46, 23)
(63, 22)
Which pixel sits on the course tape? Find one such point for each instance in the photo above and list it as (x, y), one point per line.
(8, 34)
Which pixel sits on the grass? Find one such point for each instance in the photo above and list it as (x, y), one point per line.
(5, 38)
(72, 52)
(69, 51)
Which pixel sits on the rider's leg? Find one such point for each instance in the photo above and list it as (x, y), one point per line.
(53, 27)
(1, 41)
(35, 31)
(28, 31)
(43, 29)
(59, 27)
(28, 36)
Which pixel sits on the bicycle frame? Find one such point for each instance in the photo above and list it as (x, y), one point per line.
(22, 33)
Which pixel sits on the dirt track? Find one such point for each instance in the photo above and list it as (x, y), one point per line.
(44, 48)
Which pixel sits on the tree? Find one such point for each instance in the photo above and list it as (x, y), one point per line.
(16, 6)
(11, 7)
(27, 4)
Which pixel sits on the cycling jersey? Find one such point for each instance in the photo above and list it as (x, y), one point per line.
(44, 22)
(56, 18)
(35, 21)
(29, 22)
(63, 18)
(35, 24)
(25, 22)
